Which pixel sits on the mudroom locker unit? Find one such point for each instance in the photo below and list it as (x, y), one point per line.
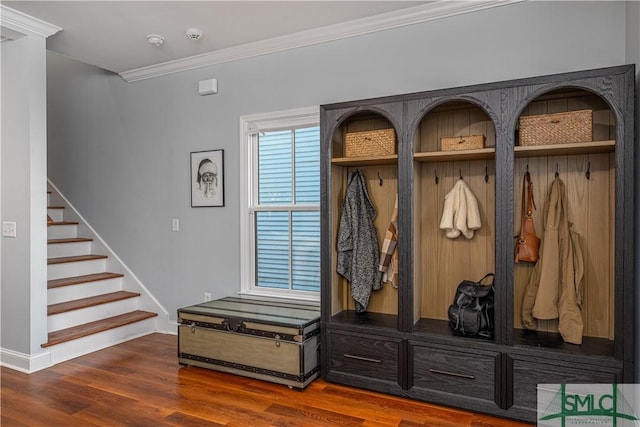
(489, 136)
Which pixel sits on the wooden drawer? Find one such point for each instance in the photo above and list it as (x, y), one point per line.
(364, 356)
(528, 373)
(456, 371)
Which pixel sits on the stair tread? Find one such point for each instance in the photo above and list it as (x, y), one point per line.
(52, 224)
(77, 304)
(70, 240)
(75, 280)
(64, 259)
(91, 328)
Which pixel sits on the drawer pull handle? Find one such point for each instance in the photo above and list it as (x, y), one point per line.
(451, 374)
(364, 359)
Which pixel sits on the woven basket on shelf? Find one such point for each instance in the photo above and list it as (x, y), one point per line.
(380, 142)
(455, 143)
(557, 128)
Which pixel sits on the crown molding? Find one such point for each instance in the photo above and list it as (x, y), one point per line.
(25, 24)
(413, 15)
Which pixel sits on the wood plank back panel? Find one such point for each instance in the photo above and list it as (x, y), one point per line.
(590, 210)
(447, 121)
(446, 262)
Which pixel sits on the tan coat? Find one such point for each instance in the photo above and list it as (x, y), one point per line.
(554, 290)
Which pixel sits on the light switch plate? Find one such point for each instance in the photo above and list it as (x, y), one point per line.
(175, 224)
(9, 228)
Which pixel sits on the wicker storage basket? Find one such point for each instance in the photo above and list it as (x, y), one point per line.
(380, 142)
(454, 143)
(557, 128)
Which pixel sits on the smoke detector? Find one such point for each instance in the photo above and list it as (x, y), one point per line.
(194, 33)
(155, 39)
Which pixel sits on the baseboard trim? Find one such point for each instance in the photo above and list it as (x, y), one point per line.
(25, 363)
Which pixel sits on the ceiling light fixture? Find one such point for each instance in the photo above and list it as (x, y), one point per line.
(194, 33)
(155, 39)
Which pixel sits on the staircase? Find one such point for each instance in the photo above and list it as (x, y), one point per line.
(93, 302)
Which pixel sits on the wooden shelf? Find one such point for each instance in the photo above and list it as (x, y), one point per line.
(538, 339)
(369, 319)
(443, 156)
(593, 147)
(365, 161)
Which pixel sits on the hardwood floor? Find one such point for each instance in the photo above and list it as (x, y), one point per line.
(139, 383)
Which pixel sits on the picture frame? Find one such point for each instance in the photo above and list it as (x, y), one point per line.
(207, 178)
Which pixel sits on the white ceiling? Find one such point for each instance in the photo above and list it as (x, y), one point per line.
(112, 34)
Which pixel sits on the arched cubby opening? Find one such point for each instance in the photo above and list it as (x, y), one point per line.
(364, 141)
(581, 155)
(443, 255)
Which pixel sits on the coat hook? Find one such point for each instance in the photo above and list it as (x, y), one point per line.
(460, 173)
(486, 174)
(435, 173)
(557, 174)
(588, 172)
(380, 178)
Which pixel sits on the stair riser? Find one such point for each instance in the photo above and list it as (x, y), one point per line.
(83, 290)
(62, 231)
(56, 214)
(90, 314)
(71, 349)
(57, 250)
(72, 269)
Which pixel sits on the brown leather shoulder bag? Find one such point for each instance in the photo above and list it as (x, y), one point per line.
(527, 243)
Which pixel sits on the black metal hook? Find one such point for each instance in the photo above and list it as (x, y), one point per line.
(587, 174)
(380, 178)
(486, 173)
(460, 173)
(557, 174)
(435, 173)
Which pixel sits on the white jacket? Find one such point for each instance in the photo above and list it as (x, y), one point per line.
(461, 213)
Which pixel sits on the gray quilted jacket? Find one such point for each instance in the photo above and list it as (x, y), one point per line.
(358, 250)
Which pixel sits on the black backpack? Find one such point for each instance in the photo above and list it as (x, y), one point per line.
(471, 313)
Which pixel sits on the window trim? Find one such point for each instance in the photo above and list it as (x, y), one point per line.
(249, 126)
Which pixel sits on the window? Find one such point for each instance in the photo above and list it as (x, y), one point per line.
(281, 205)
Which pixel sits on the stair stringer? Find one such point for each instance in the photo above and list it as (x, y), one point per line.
(130, 281)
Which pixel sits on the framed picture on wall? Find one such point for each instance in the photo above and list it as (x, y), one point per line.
(207, 178)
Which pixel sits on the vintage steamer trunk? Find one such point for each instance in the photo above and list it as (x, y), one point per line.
(271, 341)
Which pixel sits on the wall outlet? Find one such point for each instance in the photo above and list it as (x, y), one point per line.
(207, 296)
(9, 229)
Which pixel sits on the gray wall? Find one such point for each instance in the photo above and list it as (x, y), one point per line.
(120, 152)
(24, 197)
